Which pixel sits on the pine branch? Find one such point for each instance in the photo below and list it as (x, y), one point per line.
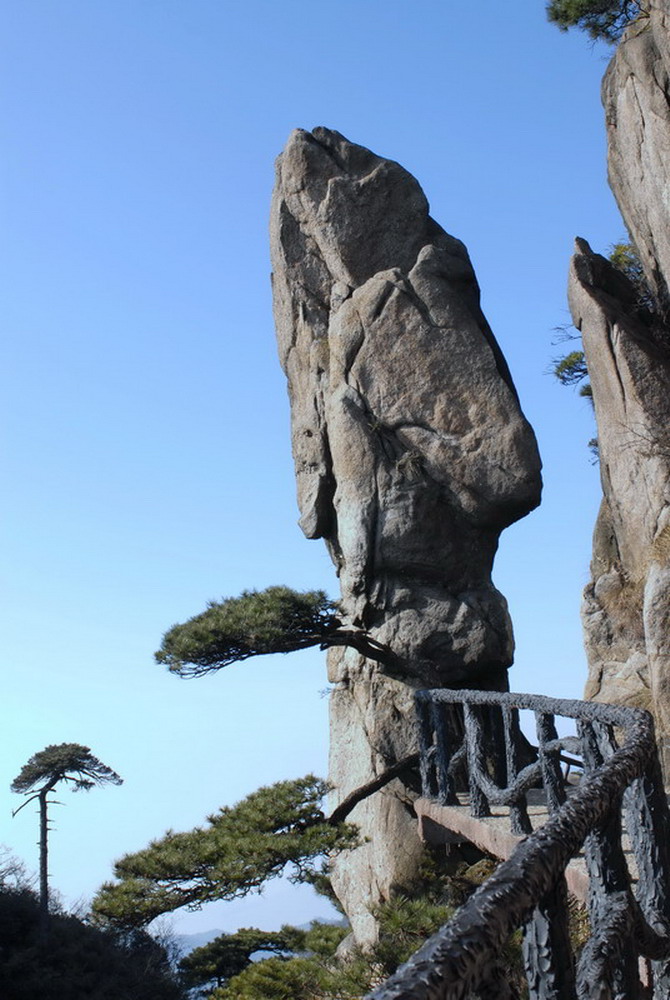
(347, 804)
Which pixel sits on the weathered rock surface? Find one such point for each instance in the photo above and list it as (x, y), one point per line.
(411, 456)
(626, 609)
(636, 96)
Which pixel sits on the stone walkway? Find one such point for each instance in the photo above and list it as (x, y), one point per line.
(454, 824)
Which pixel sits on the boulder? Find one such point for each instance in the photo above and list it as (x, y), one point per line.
(411, 456)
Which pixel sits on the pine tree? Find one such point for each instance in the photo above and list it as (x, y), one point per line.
(229, 954)
(276, 829)
(602, 19)
(275, 620)
(75, 765)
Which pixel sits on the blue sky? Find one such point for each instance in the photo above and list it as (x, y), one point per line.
(146, 452)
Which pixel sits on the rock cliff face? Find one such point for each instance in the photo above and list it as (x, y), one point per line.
(636, 92)
(411, 456)
(626, 610)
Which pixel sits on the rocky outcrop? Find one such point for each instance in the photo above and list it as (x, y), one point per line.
(411, 456)
(636, 97)
(626, 607)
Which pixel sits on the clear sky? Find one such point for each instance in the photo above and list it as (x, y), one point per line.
(147, 456)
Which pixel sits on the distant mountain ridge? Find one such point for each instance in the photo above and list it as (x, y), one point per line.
(186, 943)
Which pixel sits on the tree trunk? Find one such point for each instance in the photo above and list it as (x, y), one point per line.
(340, 813)
(44, 869)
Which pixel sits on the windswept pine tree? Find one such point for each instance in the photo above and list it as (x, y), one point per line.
(73, 764)
(275, 620)
(276, 830)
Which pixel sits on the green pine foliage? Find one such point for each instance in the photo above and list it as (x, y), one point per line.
(229, 954)
(279, 979)
(275, 620)
(404, 926)
(276, 829)
(626, 259)
(570, 369)
(405, 921)
(323, 939)
(69, 762)
(602, 19)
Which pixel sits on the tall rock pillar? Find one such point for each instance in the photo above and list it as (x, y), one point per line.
(626, 337)
(626, 607)
(636, 98)
(411, 456)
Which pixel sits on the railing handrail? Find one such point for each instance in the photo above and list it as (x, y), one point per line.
(449, 964)
(570, 708)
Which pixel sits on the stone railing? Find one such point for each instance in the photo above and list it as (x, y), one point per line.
(627, 954)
